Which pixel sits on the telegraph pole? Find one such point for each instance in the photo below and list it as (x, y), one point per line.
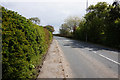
(86, 5)
(86, 13)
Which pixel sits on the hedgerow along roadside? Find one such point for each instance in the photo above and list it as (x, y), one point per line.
(23, 46)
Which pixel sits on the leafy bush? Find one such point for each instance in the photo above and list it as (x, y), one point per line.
(23, 45)
(50, 28)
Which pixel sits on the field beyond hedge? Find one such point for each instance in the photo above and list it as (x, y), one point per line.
(23, 46)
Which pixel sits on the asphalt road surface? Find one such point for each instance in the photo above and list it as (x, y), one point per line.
(89, 60)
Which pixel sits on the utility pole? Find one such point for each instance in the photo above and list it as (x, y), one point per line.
(86, 13)
(86, 5)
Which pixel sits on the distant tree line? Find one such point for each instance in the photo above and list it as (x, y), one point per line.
(100, 25)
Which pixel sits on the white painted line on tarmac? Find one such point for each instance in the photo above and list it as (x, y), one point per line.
(109, 59)
(67, 40)
(94, 51)
(88, 49)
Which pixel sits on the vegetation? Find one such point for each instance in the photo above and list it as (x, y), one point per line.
(23, 46)
(50, 28)
(69, 26)
(0, 38)
(100, 25)
(65, 30)
(35, 20)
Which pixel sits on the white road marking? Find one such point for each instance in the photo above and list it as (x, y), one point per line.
(89, 49)
(94, 51)
(67, 40)
(100, 55)
(109, 59)
(105, 57)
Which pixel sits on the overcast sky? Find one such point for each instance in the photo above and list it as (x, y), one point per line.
(50, 12)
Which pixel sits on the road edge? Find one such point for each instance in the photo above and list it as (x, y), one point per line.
(65, 64)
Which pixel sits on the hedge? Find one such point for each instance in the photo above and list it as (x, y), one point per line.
(23, 46)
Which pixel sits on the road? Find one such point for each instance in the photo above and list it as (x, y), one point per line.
(88, 60)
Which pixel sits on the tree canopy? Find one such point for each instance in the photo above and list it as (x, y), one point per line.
(50, 28)
(101, 24)
(72, 21)
(35, 20)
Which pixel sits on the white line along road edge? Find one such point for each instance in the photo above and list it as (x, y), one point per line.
(109, 59)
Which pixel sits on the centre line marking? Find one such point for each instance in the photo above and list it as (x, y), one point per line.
(109, 59)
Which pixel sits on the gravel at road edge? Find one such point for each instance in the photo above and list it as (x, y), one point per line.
(55, 64)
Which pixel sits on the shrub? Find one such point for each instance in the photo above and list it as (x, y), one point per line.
(23, 45)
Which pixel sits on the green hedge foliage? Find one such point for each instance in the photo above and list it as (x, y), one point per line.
(23, 46)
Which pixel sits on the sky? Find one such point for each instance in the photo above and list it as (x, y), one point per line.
(50, 12)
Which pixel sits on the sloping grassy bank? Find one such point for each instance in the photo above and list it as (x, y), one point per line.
(23, 46)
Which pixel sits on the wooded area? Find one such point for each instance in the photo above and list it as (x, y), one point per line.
(101, 25)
